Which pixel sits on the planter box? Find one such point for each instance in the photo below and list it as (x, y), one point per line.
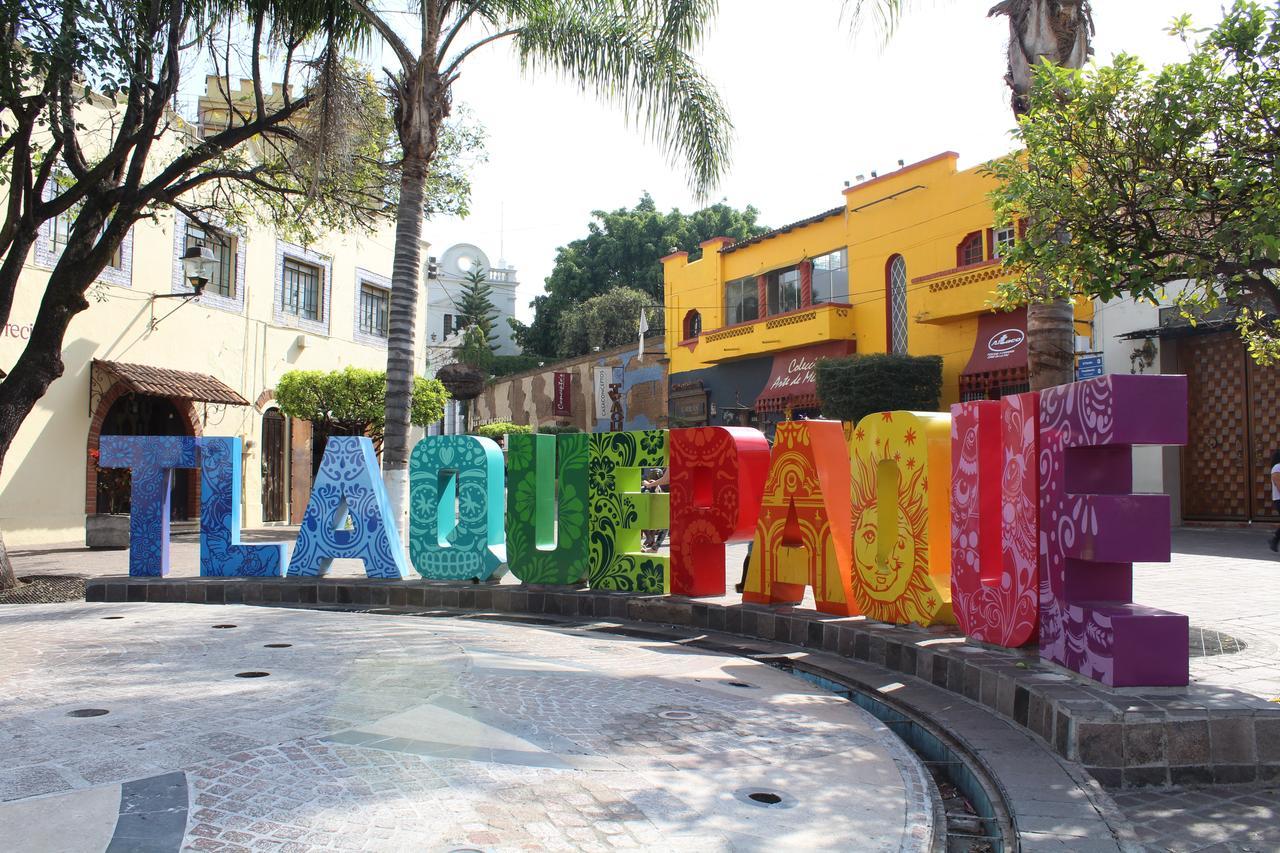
(106, 531)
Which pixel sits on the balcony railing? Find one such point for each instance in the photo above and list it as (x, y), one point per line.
(831, 322)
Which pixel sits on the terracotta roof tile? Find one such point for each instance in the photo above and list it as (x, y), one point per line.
(163, 382)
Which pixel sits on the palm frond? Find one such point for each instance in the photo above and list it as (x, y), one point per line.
(629, 54)
(883, 15)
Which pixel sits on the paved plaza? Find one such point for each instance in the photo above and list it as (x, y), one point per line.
(365, 732)
(388, 732)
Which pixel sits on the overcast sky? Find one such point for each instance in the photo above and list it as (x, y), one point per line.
(812, 105)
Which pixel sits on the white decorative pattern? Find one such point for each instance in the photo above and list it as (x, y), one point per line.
(898, 305)
(47, 255)
(364, 277)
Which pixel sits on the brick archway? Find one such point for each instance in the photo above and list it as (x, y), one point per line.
(118, 389)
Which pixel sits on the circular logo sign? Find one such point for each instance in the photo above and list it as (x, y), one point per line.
(1007, 340)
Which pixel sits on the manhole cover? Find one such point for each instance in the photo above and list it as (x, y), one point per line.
(224, 626)
(677, 715)
(278, 646)
(1206, 642)
(252, 674)
(88, 712)
(765, 798)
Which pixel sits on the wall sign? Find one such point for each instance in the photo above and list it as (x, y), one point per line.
(562, 395)
(602, 378)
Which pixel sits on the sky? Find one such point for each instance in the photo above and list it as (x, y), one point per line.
(812, 104)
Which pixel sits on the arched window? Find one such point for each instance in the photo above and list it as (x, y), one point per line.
(692, 325)
(896, 304)
(971, 250)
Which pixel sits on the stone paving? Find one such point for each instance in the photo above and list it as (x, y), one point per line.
(380, 733)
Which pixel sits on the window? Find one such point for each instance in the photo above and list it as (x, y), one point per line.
(448, 327)
(223, 281)
(971, 250)
(783, 290)
(741, 301)
(1003, 238)
(831, 277)
(692, 325)
(375, 304)
(896, 299)
(301, 293)
(61, 232)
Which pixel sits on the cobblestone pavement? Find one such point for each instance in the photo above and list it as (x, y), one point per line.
(1239, 819)
(364, 732)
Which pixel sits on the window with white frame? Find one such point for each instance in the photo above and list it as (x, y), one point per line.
(783, 290)
(302, 292)
(831, 277)
(374, 314)
(1003, 239)
(741, 301)
(897, 299)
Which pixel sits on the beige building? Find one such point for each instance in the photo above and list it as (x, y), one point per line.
(147, 359)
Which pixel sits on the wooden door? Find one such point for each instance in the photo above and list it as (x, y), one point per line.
(1264, 436)
(273, 466)
(1217, 470)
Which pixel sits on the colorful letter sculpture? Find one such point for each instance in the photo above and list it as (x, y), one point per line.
(151, 459)
(463, 471)
(802, 536)
(995, 507)
(221, 554)
(1092, 528)
(619, 511)
(896, 515)
(348, 486)
(717, 481)
(547, 528)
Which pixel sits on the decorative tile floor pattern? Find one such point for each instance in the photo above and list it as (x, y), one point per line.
(398, 733)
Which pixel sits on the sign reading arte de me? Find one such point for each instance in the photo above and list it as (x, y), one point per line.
(1013, 519)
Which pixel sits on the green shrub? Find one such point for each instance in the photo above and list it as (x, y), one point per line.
(854, 387)
(499, 429)
(505, 365)
(554, 429)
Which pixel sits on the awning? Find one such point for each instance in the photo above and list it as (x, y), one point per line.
(1001, 343)
(163, 382)
(793, 382)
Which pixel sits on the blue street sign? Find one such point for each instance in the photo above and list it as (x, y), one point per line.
(1088, 366)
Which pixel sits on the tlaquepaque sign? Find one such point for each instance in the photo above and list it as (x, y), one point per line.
(1014, 519)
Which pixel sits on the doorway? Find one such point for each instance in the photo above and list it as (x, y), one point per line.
(273, 466)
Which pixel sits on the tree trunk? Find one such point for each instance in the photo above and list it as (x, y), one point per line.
(8, 580)
(1051, 338)
(405, 281)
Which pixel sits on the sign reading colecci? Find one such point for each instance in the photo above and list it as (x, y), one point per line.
(979, 526)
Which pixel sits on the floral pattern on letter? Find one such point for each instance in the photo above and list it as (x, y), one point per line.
(1092, 529)
(221, 554)
(617, 563)
(995, 572)
(152, 459)
(463, 471)
(348, 485)
(547, 531)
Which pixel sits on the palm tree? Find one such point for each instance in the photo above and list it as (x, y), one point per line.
(636, 54)
(1055, 31)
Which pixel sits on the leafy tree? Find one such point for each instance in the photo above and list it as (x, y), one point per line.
(475, 305)
(860, 385)
(608, 320)
(1056, 32)
(505, 365)
(635, 54)
(88, 135)
(352, 401)
(623, 248)
(1159, 178)
(474, 351)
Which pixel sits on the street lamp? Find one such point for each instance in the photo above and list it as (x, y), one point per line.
(199, 265)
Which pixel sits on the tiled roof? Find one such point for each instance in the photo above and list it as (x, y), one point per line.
(826, 214)
(163, 382)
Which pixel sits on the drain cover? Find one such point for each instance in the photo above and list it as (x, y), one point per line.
(742, 684)
(764, 798)
(112, 617)
(1206, 642)
(88, 712)
(677, 715)
(252, 674)
(278, 646)
(224, 626)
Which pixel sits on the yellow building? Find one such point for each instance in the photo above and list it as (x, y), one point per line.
(148, 358)
(907, 264)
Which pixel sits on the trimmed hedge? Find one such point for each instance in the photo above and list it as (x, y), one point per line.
(499, 429)
(553, 429)
(860, 385)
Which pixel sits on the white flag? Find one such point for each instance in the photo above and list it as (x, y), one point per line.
(644, 327)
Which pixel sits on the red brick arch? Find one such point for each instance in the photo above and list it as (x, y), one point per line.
(117, 390)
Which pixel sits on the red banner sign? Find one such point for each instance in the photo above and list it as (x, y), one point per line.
(562, 401)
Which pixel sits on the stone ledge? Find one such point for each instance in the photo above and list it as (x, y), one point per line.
(1125, 738)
